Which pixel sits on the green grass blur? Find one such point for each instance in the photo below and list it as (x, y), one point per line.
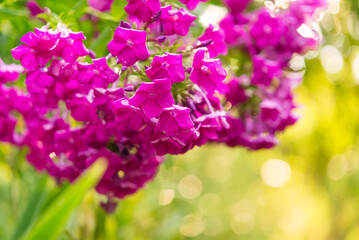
(305, 188)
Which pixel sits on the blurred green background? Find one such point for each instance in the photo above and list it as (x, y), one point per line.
(305, 188)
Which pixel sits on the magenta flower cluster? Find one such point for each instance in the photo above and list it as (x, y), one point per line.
(158, 92)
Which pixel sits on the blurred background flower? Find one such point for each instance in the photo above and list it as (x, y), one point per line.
(305, 188)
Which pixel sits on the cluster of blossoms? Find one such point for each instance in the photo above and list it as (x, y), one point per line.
(159, 91)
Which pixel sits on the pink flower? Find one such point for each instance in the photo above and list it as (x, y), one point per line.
(192, 4)
(218, 45)
(264, 70)
(97, 75)
(37, 51)
(166, 66)
(207, 73)
(70, 47)
(101, 5)
(270, 113)
(9, 72)
(128, 117)
(233, 90)
(266, 31)
(82, 110)
(176, 123)
(125, 174)
(237, 6)
(175, 21)
(142, 9)
(129, 46)
(34, 8)
(153, 97)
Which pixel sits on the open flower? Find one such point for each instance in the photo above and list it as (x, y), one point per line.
(153, 97)
(129, 46)
(207, 73)
(166, 66)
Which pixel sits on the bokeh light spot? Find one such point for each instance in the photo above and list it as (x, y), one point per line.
(331, 59)
(275, 173)
(242, 223)
(166, 196)
(337, 167)
(192, 226)
(355, 68)
(210, 204)
(214, 227)
(190, 187)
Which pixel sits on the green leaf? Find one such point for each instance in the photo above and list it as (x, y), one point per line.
(10, 12)
(33, 208)
(54, 220)
(101, 15)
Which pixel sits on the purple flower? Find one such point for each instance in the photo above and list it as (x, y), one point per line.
(217, 46)
(70, 47)
(192, 4)
(266, 30)
(9, 72)
(175, 122)
(129, 46)
(34, 8)
(104, 102)
(153, 97)
(40, 85)
(237, 6)
(37, 51)
(166, 66)
(175, 21)
(82, 110)
(96, 135)
(126, 174)
(207, 73)
(128, 117)
(63, 71)
(270, 113)
(96, 75)
(233, 90)
(142, 9)
(264, 71)
(101, 5)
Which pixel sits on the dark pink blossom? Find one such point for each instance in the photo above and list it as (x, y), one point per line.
(129, 46)
(142, 9)
(82, 110)
(37, 51)
(218, 45)
(166, 66)
(62, 71)
(264, 71)
(9, 72)
(153, 97)
(207, 73)
(266, 30)
(237, 6)
(175, 122)
(101, 5)
(70, 47)
(192, 4)
(234, 91)
(34, 8)
(126, 173)
(175, 21)
(96, 75)
(128, 117)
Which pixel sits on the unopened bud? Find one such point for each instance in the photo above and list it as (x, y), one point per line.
(161, 39)
(125, 25)
(204, 43)
(156, 16)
